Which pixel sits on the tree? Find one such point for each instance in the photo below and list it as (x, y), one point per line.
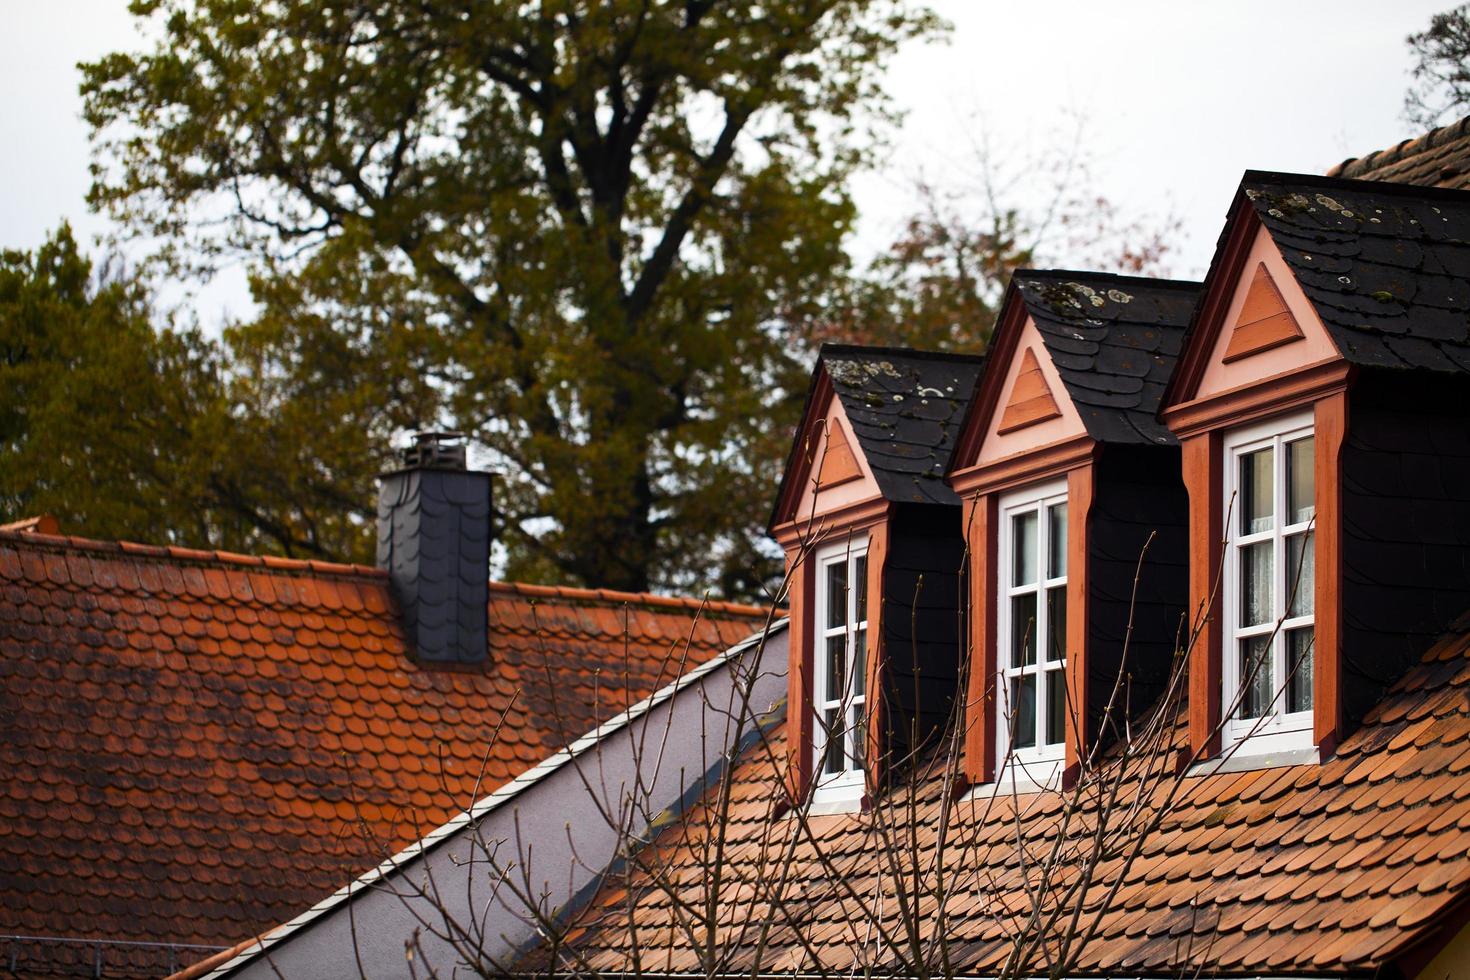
(122, 425)
(940, 284)
(1441, 72)
(601, 218)
(97, 410)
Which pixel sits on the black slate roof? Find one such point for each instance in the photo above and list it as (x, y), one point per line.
(1385, 265)
(906, 408)
(1114, 341)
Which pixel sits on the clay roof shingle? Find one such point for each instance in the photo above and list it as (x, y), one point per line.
(1384, 265)
(1114, 341)
(1326, 869)
(196, 746)
(906, 408)
(1439, 158)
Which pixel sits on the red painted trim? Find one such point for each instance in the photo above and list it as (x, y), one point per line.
(875, 751)
(981, 524)
(1080, 486)
(1031, 466)
(1202, 478)
(803, 451)
(825, 527)
(799, 675)
(985, 402)
(1330, 430)
(1260, 399)
(1214, 304)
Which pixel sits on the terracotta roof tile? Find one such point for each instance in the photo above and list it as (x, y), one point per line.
(174, 721)
(1321, 869)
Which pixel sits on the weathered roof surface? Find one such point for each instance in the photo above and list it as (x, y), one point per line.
(1327, 869)
(1439, 158)
(1114, 341)
(1384, 265)
(196, 746)
(906, 408)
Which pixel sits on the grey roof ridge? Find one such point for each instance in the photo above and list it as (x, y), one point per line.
(1391, 188)
(829, 349)
(486, 804)
(1064, 274)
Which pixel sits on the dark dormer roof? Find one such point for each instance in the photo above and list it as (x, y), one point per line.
(906, 407)
(1114, 341)
(1385, 265)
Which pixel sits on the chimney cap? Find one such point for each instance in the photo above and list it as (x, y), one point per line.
(436, 451)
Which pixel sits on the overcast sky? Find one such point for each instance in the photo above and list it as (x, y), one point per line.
(1178, 99)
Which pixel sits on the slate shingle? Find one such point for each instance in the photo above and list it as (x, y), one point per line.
(906, 408)
(1383, 264)
(1114, 341)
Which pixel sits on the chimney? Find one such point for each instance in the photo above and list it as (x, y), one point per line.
(434, 542)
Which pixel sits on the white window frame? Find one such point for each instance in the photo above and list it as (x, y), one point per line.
(848, 784)
(1040, 764)
(1279, 730)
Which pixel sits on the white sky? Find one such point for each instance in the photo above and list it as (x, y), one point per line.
(1179, 98)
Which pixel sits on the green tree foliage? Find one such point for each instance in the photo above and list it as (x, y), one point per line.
(1441, 73)
(583, 231)
(97, 410)
(123, 427)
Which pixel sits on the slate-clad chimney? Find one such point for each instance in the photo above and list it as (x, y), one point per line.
(434, 542)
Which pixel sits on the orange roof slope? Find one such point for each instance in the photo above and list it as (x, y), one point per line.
(1439, 158)
(1316, 869)
(190, 739)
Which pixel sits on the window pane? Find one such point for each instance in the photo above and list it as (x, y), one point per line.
(860, 663)
(1301, 500)
(1255, 676)
(1299, 661)
(1023, 630)
(1056, 707)
(832, 755)
(1256, 499)
(836, 667)
(1301, 572)
(837, 594)
(1056, 547)
(1255, 583)
(859, 736)
(1023, 548)
(1056, 623)
(860, 607)
(1023, 708)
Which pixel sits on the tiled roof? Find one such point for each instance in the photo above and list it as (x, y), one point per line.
(906, 408)
(1114, 341)
(1384, 265)
(1324, 869)
(196, 746)
(1439, 158)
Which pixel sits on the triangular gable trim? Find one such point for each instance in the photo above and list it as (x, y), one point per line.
(1265, 321)
(1031, 399)
(839, 465)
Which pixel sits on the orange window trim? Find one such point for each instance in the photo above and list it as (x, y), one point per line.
(869, 519)
(981, 488)
(1201, 427)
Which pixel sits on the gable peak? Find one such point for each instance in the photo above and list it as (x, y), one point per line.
(1031, 399)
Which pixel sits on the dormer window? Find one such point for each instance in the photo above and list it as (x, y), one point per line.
(1032, 620)
(1271, 585)
(875, 553)
(1068, 479)
(840, 693)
